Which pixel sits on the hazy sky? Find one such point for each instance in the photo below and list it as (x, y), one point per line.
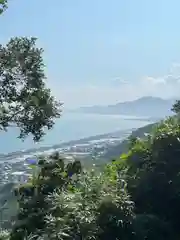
(102, 51)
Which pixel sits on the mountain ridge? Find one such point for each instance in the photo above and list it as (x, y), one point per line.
(144, 106)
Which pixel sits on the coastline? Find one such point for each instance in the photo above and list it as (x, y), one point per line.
(68, 143)
(85, 140)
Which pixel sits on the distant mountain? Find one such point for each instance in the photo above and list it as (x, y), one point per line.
(145, 106)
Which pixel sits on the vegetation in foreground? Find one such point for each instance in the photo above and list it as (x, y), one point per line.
(133, 197)
(115, 151)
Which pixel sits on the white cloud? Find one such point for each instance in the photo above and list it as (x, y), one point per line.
(118, 90)
(153, 81)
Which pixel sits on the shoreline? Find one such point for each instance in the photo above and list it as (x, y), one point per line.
(68, 143)
(77, 141)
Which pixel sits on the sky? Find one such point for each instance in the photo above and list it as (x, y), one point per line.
(102, 51)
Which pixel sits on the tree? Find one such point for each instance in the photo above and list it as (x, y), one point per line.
(3, 5)
(25, 102)
(33, 208)
(176, 107)
(154, 177)
(96, 207)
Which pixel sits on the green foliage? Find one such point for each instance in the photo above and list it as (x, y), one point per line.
(25, 102)
(151, 227)
(65, 202)
(96, 207)
(4, 235)
(3, 5)
(33, 206)
(115, 151)
(135, 197)
(176, 107)
(154, 174)
(75, 204)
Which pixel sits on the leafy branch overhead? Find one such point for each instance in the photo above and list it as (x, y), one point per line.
(25, 102)
(3, 5)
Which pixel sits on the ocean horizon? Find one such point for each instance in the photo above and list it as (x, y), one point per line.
(71, 126)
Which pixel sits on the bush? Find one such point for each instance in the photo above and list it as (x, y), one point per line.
(136, 197)
(154, 174)
(33, 208)
(96, 207)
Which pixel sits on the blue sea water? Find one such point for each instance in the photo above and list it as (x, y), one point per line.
(71, 126)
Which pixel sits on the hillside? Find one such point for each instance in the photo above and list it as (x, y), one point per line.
(76, 203)
(117, 150)
(145, 106)
(6, 191)
(30, 212)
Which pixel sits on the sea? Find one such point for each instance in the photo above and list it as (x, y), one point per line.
(71, 126)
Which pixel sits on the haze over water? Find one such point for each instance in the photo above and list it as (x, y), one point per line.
(71, 126)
